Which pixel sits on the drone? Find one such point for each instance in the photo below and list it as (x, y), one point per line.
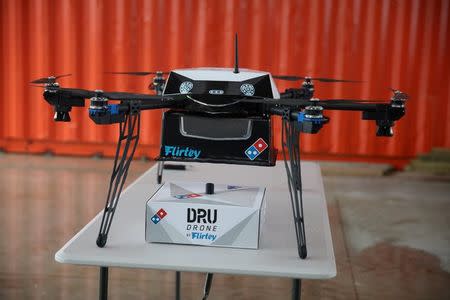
(217, 115)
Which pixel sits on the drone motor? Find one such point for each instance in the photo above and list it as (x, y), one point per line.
(158, 83)
(98, 102)
(308, 88)
(398, 99)
(103, 113)
(311, 119)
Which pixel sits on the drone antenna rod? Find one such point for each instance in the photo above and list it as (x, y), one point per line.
(236, 61)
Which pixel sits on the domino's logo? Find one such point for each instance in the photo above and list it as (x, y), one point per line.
(186, 196)
(160, 214)
(256, 149)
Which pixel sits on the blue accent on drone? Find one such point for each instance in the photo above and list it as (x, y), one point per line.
(302, 118)
(113, 108)
(252, 152)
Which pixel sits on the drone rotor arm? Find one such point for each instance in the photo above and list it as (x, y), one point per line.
(288, 102)
(351, 105)
(139, 73)
(163, 104)
(146, 105)
(383, 113)
(321, 79)
(331, 104)
(63, 99)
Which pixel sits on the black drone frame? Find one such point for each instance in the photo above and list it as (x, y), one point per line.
(129, 134)
(300, 113)
(290, 141)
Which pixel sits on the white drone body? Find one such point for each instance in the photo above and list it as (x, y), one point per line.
(215, 84)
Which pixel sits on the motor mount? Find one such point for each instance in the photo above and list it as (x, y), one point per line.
(103, 113)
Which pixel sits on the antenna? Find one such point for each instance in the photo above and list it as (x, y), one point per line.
(236, 61)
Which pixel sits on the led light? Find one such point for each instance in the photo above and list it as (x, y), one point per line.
(186, 87)
(248, 89)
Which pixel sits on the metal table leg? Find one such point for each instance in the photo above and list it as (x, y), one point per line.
(177, 285)
(208, 283)
(296, 289)
(103, 287)
(159, 172)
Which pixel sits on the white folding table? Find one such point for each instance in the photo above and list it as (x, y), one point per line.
(277, 255)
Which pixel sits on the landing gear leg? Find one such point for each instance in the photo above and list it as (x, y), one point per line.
(291, 145)
(129, 134)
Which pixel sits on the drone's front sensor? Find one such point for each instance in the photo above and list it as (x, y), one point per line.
(186, 87)
(248, 89)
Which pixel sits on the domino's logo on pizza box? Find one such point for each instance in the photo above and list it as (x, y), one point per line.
(160, 214)
(256, 149)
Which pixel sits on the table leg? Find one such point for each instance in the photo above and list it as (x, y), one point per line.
(103, 287)
(208, 283)
(177, 285)
(159, 172)
(296, 289)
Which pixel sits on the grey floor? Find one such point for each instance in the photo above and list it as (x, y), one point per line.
(391, 238)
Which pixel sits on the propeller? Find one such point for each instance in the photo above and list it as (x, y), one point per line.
(321, 79)
(81, 93)
(399, 95)
(49, 80)
(124, 96)
(143, 73)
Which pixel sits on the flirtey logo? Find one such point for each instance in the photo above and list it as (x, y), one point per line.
(176, 151)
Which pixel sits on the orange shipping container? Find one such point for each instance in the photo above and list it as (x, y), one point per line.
(404, 44)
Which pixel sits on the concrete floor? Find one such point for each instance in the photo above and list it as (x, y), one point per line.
(390, 233)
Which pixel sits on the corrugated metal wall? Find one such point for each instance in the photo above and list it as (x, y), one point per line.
(402, 43)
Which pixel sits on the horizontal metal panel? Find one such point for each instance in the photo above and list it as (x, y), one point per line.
(404, 44)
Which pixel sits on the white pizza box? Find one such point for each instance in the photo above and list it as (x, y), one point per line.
(182, 213)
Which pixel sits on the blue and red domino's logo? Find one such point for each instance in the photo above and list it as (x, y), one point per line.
(160, 214)
(186, 196)
(256, 149)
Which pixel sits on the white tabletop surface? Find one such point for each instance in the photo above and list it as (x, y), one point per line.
(277, 256)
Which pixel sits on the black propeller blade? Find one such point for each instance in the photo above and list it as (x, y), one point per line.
(49, 80)
(322, 79)
(125, 96)
(81, 93)
(144, 73)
